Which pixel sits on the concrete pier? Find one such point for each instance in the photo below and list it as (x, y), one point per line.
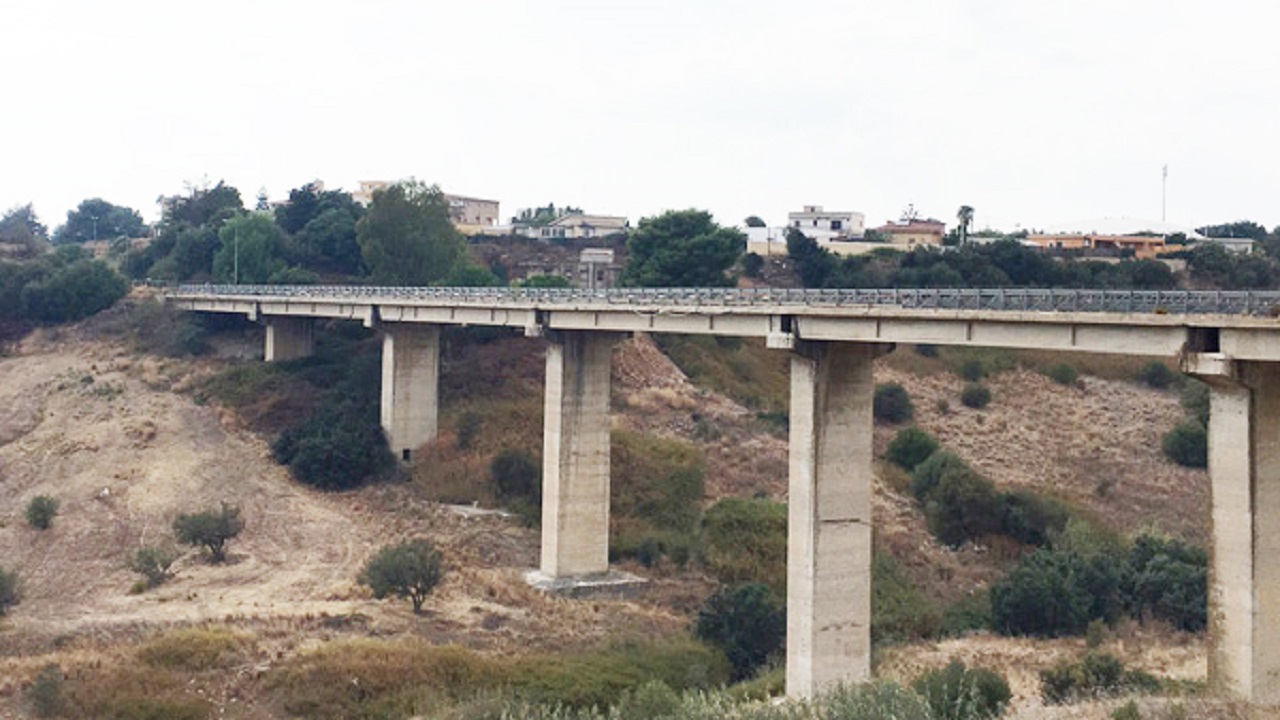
(575, 456)
(829, 517)
(1244, 580)
(289, 338)
(410, 386)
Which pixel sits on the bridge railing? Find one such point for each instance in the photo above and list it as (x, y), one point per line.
(1178, 302)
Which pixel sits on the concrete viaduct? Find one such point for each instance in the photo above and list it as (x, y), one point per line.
(1230, 340)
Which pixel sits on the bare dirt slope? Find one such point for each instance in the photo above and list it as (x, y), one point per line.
(1096, 443)
(124, 455)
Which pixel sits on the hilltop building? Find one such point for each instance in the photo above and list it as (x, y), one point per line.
(912, 233)
(821, 224)
(471, 216)
(575, 226)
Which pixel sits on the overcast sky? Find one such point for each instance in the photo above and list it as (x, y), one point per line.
(1034, 113)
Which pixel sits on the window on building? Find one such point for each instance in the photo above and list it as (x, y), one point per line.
(836, 225)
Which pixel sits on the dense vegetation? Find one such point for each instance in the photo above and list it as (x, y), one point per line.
(1008, 263)
(58, 287)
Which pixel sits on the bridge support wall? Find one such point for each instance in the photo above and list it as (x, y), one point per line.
(410, 386)
(829, 517)
(575, 455)
(289, 338)
(1244, 592)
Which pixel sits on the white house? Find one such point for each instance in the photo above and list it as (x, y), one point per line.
(821, 224)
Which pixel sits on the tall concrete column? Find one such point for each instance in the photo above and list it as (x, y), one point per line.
(410, 386)
(289, 338)
(829, 517)
(575, 455)
(1244, 585)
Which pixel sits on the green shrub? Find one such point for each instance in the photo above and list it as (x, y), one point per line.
(468, 429)
(746, 623)
(747, 542)
(964, 506)
(960, 693)
(1187, 444)
(41, 511)
(342, 444)
(153, 563)
(910, 447)
(926, 350)
(210, 529)
(1097, 675)
(892, 404)
(600, 678)
(1062, 373)
(1032, 519)
(752, 264)
(410, 569)
(975, 396)
(516, 475)
(972, 612)
(10, 591)
(72, 292)
(1168, 580)
(45, 693)
(927, 475)
(1042, 597)
(867, 701)
(194, 649)
(1127, 711)
(1052, 593)
(972, 370)
(1157, 375)
(900, 612)
(653, 700)
(656, 492)
(1195, 400)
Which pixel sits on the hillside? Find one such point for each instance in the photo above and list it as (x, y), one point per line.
(123, 442)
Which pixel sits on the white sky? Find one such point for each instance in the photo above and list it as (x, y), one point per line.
(1034, 112)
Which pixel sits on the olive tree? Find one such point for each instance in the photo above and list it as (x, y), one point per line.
(210, 529)
(411, 569)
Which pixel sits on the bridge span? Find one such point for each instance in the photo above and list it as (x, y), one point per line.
(1229, 339)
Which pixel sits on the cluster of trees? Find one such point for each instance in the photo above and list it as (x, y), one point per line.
(58, 287)
(1007, 263)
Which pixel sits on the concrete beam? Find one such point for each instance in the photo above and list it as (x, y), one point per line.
(829, 518)
(1244, 585)
(289, 338)
(575, 455)
(410, 386)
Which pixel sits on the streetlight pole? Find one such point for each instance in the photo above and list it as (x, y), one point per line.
(235, 255)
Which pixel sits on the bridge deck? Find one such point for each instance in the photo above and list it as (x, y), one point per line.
(1157, 323)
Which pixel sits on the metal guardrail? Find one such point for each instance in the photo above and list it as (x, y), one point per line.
(1174, 302)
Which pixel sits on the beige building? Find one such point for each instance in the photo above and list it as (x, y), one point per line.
(472, 216)
(469, 212)
(1142, 246)
(576, 226)
(912, 233)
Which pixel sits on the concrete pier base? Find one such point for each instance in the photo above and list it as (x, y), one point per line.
(1244, 577)
(829, 518)
(289, 339)
(611, 584)
(410, 386)
(575, 456)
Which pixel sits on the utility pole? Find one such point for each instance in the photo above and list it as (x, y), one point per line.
(235, 258)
